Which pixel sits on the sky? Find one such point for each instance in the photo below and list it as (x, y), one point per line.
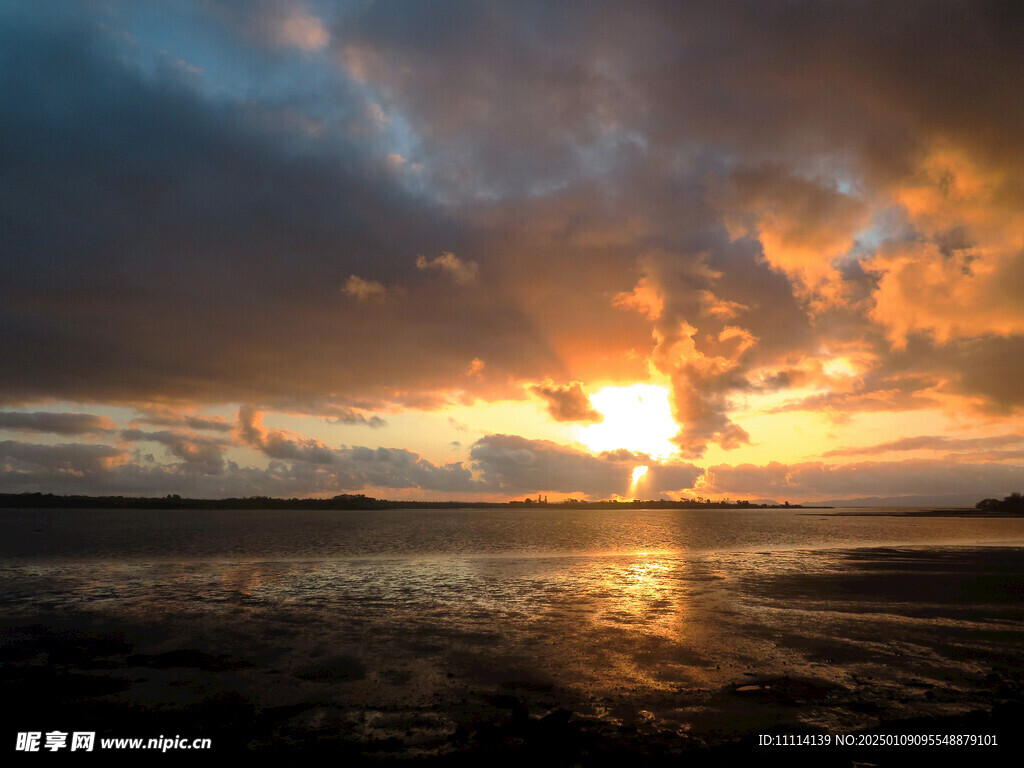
(490, 250)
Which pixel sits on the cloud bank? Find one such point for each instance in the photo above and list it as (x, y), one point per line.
(779, 208)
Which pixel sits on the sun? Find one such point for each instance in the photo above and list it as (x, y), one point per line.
(637, 418)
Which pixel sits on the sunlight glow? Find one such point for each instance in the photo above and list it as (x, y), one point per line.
(637, 418)
(638, 475)
(839, 366)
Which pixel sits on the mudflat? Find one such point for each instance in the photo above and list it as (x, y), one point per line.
(647, 658)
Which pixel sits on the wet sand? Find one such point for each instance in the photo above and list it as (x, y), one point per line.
(665, 661)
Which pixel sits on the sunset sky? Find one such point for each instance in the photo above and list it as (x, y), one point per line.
(486, 250)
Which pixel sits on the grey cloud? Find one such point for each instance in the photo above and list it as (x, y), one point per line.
(102, 469)
(567, 402)
(169, 418)
(354, 467)
(277, 444)
(671, 476)
(516, 465)
(57, 423)
(811, 480)
(204, 244)
(279, 478)
(348, 416)
(67, 462)
(203, 454)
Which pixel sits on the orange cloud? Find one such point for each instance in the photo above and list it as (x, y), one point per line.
(644, 298)
(963, 276)
(462, 272)
(804, 225)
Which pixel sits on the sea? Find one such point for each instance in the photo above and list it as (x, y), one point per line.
(411, 632)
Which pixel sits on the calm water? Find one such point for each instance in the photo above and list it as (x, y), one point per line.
(123, 536)
(632, 617)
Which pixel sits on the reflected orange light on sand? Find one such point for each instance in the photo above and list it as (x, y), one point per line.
(642, 591)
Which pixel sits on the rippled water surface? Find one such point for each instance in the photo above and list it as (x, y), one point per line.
(247, 535)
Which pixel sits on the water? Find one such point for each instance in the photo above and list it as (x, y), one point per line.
(119, 536)
(651, 618)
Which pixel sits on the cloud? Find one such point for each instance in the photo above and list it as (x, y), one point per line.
(278, 444)
(365, 290)
(812, 178)
(567, 402)
(348, 416)
(810, 480)
(297, 467)
(356, 467)
(731, 194)
(208, 217)
(462, 272)
(166, 416)
(201, 454)
(886, 395)
(272, 23)
(965, 252)
(28, 464)
(304, 31)
(515, 465)
(930, 443)
(804, 225)
(57, 423)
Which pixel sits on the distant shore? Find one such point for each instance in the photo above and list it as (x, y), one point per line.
(952, 512)
(352, 501)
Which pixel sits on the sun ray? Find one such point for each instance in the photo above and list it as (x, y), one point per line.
(639, 472)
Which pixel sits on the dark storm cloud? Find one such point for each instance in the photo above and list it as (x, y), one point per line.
(202, 246)
(520, 88)
(566, 402)
(57, 423)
